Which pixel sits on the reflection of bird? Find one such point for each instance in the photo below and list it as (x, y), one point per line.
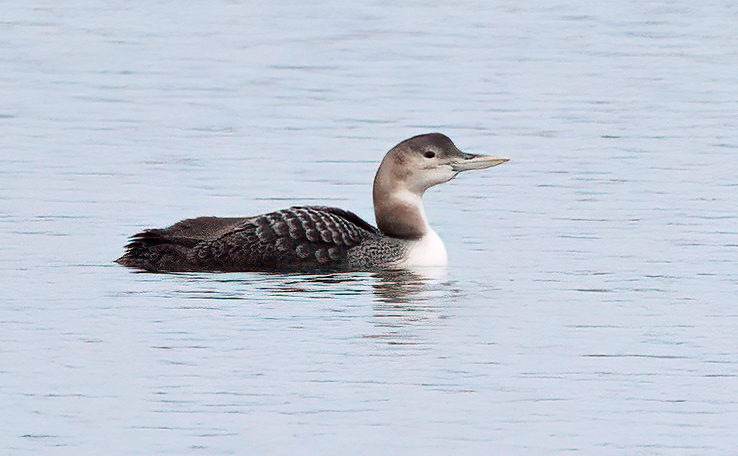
(314, 238)
(401, 287)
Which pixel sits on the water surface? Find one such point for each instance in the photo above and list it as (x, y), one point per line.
(590, 301)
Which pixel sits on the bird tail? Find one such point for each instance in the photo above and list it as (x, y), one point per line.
(155, 251)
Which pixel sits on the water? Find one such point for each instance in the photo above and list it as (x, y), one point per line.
(590, 302)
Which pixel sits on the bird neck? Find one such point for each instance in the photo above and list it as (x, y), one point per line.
(399, 213)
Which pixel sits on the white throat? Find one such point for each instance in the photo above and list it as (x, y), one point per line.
(426, 251)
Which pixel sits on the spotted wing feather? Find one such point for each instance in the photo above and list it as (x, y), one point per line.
(295, 239)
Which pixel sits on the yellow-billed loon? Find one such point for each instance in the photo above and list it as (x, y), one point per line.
(316, 238)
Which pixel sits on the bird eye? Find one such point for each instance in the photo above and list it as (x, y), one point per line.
(429, 154)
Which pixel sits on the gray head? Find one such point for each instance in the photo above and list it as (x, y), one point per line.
(408, 170)
(423, 161)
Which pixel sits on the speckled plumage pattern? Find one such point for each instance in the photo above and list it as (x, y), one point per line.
(295, 239)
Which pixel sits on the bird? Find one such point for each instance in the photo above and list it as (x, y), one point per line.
(313, 239)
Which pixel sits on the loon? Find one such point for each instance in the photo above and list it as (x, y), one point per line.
(317, 238)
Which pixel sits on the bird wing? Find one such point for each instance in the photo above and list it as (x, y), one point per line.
(298, 238)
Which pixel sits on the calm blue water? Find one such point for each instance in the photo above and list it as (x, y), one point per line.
(590, 304)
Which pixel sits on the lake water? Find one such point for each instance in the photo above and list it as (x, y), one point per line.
(590, 305)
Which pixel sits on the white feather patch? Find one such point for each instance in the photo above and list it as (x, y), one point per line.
(426, 251)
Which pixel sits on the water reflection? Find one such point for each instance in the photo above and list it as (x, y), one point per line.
(392, 307)
(395, 288)
(400, 286)
(395, 303)
(406, 301)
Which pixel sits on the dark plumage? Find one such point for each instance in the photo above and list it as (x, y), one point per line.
(308, 238)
